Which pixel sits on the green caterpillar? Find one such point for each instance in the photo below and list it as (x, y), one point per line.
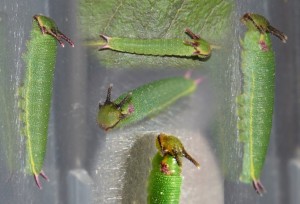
(165, 178)
(37, 91)
(143, 101)
(159, 47)
(255, 104)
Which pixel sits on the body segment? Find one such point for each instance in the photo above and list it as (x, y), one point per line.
(37, 90)
(164, 181)
(255, 104)
(164, 188)
(143, 101)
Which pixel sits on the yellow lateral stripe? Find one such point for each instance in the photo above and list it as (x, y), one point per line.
(29, 151)
(190, 90)
(251, 127)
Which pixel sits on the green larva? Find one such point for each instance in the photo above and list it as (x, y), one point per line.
(143, 101)
(255, 104)
(37, 91)
(159, 47)
(164, 181)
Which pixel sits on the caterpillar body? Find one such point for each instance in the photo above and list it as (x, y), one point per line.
(164, 181)
(160, 47)
(37, 91)
(255, 104)
(143, 101)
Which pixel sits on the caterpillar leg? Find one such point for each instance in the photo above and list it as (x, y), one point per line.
(241, 122)
(240, 100)
(37, 180)
(258, 187)
(243, 136)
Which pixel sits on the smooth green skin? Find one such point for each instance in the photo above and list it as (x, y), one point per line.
(161, 47)
(256, 103)
(164, 188)
(40, 62)
(146, 101)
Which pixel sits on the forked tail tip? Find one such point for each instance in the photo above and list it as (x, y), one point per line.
(199, 80)
(37, 179)
(188, 75)
(106, 39)
(258, 187)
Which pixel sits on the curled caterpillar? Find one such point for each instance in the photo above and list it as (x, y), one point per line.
(255, 104)
(37, 91)
(164, 181)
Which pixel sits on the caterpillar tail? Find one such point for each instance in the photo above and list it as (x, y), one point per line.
(37, 179)
(258, 187)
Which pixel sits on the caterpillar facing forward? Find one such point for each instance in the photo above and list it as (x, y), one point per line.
(255, 104)
(165, 178)
(143, 101)
(37, 91)
(159, 47)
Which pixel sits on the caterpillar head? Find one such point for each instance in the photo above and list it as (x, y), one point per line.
(201, 46)
(48, 26)
(111, 113)
(171, 145)
(257, 22)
